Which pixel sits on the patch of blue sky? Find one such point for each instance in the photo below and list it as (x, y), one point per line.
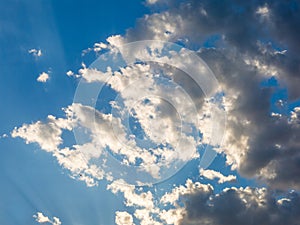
(279, 100)
(34, 182)
(32, 179)
(212, 41)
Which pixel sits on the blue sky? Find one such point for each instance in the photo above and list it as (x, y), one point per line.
(62, 30)
(255, 64)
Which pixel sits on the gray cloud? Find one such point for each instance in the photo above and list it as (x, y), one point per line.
(240, 206)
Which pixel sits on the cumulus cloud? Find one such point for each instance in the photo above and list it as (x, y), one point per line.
(70, 73)
(43, 77)
(197, 203)
(246, 205)
(42, 219)
(258, 142)
(145, 199)
(124, 218)
(212, 174)
(47, 135)
(74, 158)
(253, 135)
(261, 138)
(245, 54)
(35, 52)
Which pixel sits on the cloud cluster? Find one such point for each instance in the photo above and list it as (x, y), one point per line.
(246, 52)
(247, 205)
(146, 95)
(196, 203)
(262, 136)
(123, 218)
(48, 135)
(253, 49)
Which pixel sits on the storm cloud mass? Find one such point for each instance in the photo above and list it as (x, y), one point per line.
(253, 42)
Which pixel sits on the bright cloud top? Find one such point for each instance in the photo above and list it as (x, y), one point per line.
(42, 219)
(148, 103)
(43, 77)
(35, 52)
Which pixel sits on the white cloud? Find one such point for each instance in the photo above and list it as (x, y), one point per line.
(35, 52)
(47, 135)
(70, 73)
(123, 218)
(43, 77)
(263, 11)
(75, 158)
(152, 1)
(212, 174)
(100, 46)
(41, 218)
(144, 200)
(257, 143)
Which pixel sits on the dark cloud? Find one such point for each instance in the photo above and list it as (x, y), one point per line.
(241, 206)
(272, 149)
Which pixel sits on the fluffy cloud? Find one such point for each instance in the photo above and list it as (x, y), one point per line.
(145, 199)
(245, 54)
(197, 203)
(74, 158)
(211, 174)
(35, 52)
(253, 43)
(247, 205)
(123, 218)
(41, 218)
(43, 77)
(70, 73)
(47, 135)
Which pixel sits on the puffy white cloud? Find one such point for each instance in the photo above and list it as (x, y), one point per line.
(47, 135)
(75, 158)
(145, 199)
(123, 218)
(41, 218)
(35, 52)
(70, 73)
(212, 174)
(43, 77)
